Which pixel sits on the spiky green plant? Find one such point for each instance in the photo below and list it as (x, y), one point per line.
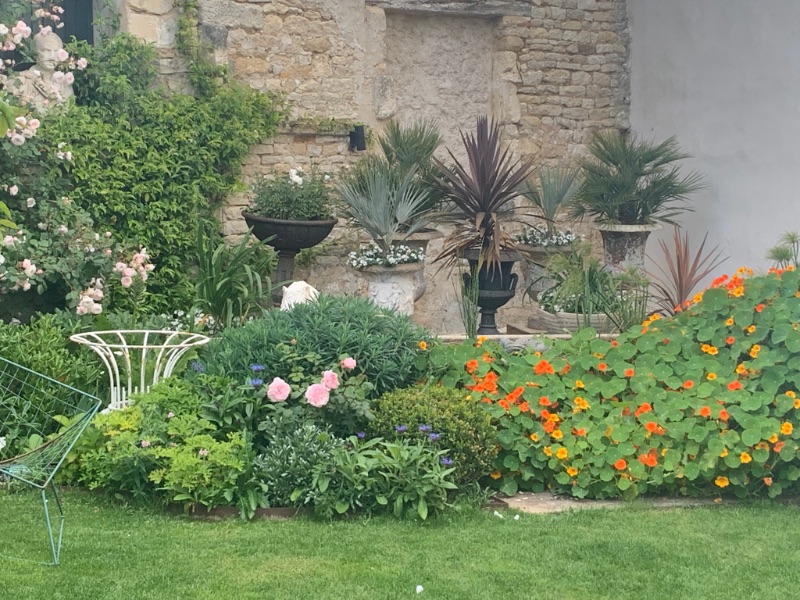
(551, 189)
(481, 193)
(787, 251)
(633, 182)
(384, 207)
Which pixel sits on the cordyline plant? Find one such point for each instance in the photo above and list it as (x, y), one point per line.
(705, 403)
(481, 192)
(674, 287)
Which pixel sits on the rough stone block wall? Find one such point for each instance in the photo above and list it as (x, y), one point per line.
(550, 70)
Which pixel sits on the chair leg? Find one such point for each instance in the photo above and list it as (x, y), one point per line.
(55, 542)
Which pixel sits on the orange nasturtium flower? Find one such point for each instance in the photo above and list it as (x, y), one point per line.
(581, 403)
(651, 426)
(562, 453)
(791, 394)
(471, 366)
(621, 464)
(504, 403)
(487, 358)
(787, 428)
(721, 481)
(768, 481)
(579, 432)
(729, 322)
(724, 415)
(557, 434)
(548, 426)
(688, 384)
(423, 345)
(579, 384)
(544, 401)
(711, 376)
(729, 340)
(745, 458)
(534, 437)
(495, 475)
(738, 291)
(754, 351)
(628, 372)
(778, 447)
(741, 369)
(524, 407)
(543, 368)
(735, 385)
(572, 471)
(643, 408)
(751, 329)
(650, 459)
(759, 307)
(602, 366)
(704, 411)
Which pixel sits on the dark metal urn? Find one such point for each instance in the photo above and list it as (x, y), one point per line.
(288, 238)
(496, 287)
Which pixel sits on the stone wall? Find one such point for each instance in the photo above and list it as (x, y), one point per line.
(549, 70)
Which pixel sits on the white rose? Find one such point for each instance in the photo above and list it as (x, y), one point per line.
(3, 439)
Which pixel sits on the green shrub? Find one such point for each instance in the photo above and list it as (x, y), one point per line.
(404, 477)
(703, 403)
(443, 417)
(293, 449)
(318, 334)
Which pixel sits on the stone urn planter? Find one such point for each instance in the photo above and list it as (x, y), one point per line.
(392, 287)
(562, 322)
(419, 241)
(624, 245)
(288, 238)
(496, 287)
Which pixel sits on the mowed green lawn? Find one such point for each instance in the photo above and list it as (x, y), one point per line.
(731, 552)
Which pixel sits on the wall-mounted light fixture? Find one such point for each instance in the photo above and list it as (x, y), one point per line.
(358, 139)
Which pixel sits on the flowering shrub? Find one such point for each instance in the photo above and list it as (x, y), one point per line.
(298, 196)
(535, 236)
(702, 403)
(372, 254)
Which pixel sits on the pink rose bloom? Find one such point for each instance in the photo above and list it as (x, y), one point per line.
(330, 380)
(17, 139)
(349, 363)
(61, 55)
(82, 63)
(278, 390)
(128, 272)
(126, 282)
(13, 190)
(317, 395)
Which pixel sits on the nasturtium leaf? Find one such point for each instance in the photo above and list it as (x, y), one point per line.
(691, 471)
(509, 487)
(624, 484)
(760, 455)
(511, 462)
(750, 437)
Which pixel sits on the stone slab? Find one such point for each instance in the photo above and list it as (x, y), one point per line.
(547, 503)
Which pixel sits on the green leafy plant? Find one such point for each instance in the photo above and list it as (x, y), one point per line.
(443, 417)
(787, 252)
(406, 478)
(232, 282)
(630, 181)
(298, 196)
(481, 193)
(674, 287)
(384, 344)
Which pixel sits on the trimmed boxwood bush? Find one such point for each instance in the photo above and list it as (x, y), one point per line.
(318, 334)
(706, 403)
(443, 417)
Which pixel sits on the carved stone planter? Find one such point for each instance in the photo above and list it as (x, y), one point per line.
(624, 245)
(562, 322)
(392, 287)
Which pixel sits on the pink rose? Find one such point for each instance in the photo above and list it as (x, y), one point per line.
(330, 380)
(126, 282)
(278, 390)
(13, 190)
(61, 55)
(317, 395)
(349, 363)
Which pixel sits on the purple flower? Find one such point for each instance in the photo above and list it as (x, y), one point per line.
(361, 435)
(256, 368)
(446, 461)
(425, 428)
(255, 382)
(197, 367)
(434, 436)
(400, 428)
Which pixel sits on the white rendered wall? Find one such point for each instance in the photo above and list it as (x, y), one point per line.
(724, 77)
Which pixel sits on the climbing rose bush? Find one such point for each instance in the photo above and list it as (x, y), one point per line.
(704, 403)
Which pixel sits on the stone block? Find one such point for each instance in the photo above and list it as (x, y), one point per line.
(227, 13)
(505, 67)
(153, 7)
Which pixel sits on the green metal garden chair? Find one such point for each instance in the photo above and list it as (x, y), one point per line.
(33, 443)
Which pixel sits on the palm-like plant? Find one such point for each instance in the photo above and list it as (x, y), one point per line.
(551, 189)
(674, 286)
(632, 182)
(481, 193)
(384, 207)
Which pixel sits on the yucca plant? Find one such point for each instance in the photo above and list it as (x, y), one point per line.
(383, 206)
(674, 286)
(632, 182)
(551, 189)
(481, 193)
(231, 281)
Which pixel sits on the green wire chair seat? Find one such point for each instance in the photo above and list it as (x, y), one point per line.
(41, 419)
